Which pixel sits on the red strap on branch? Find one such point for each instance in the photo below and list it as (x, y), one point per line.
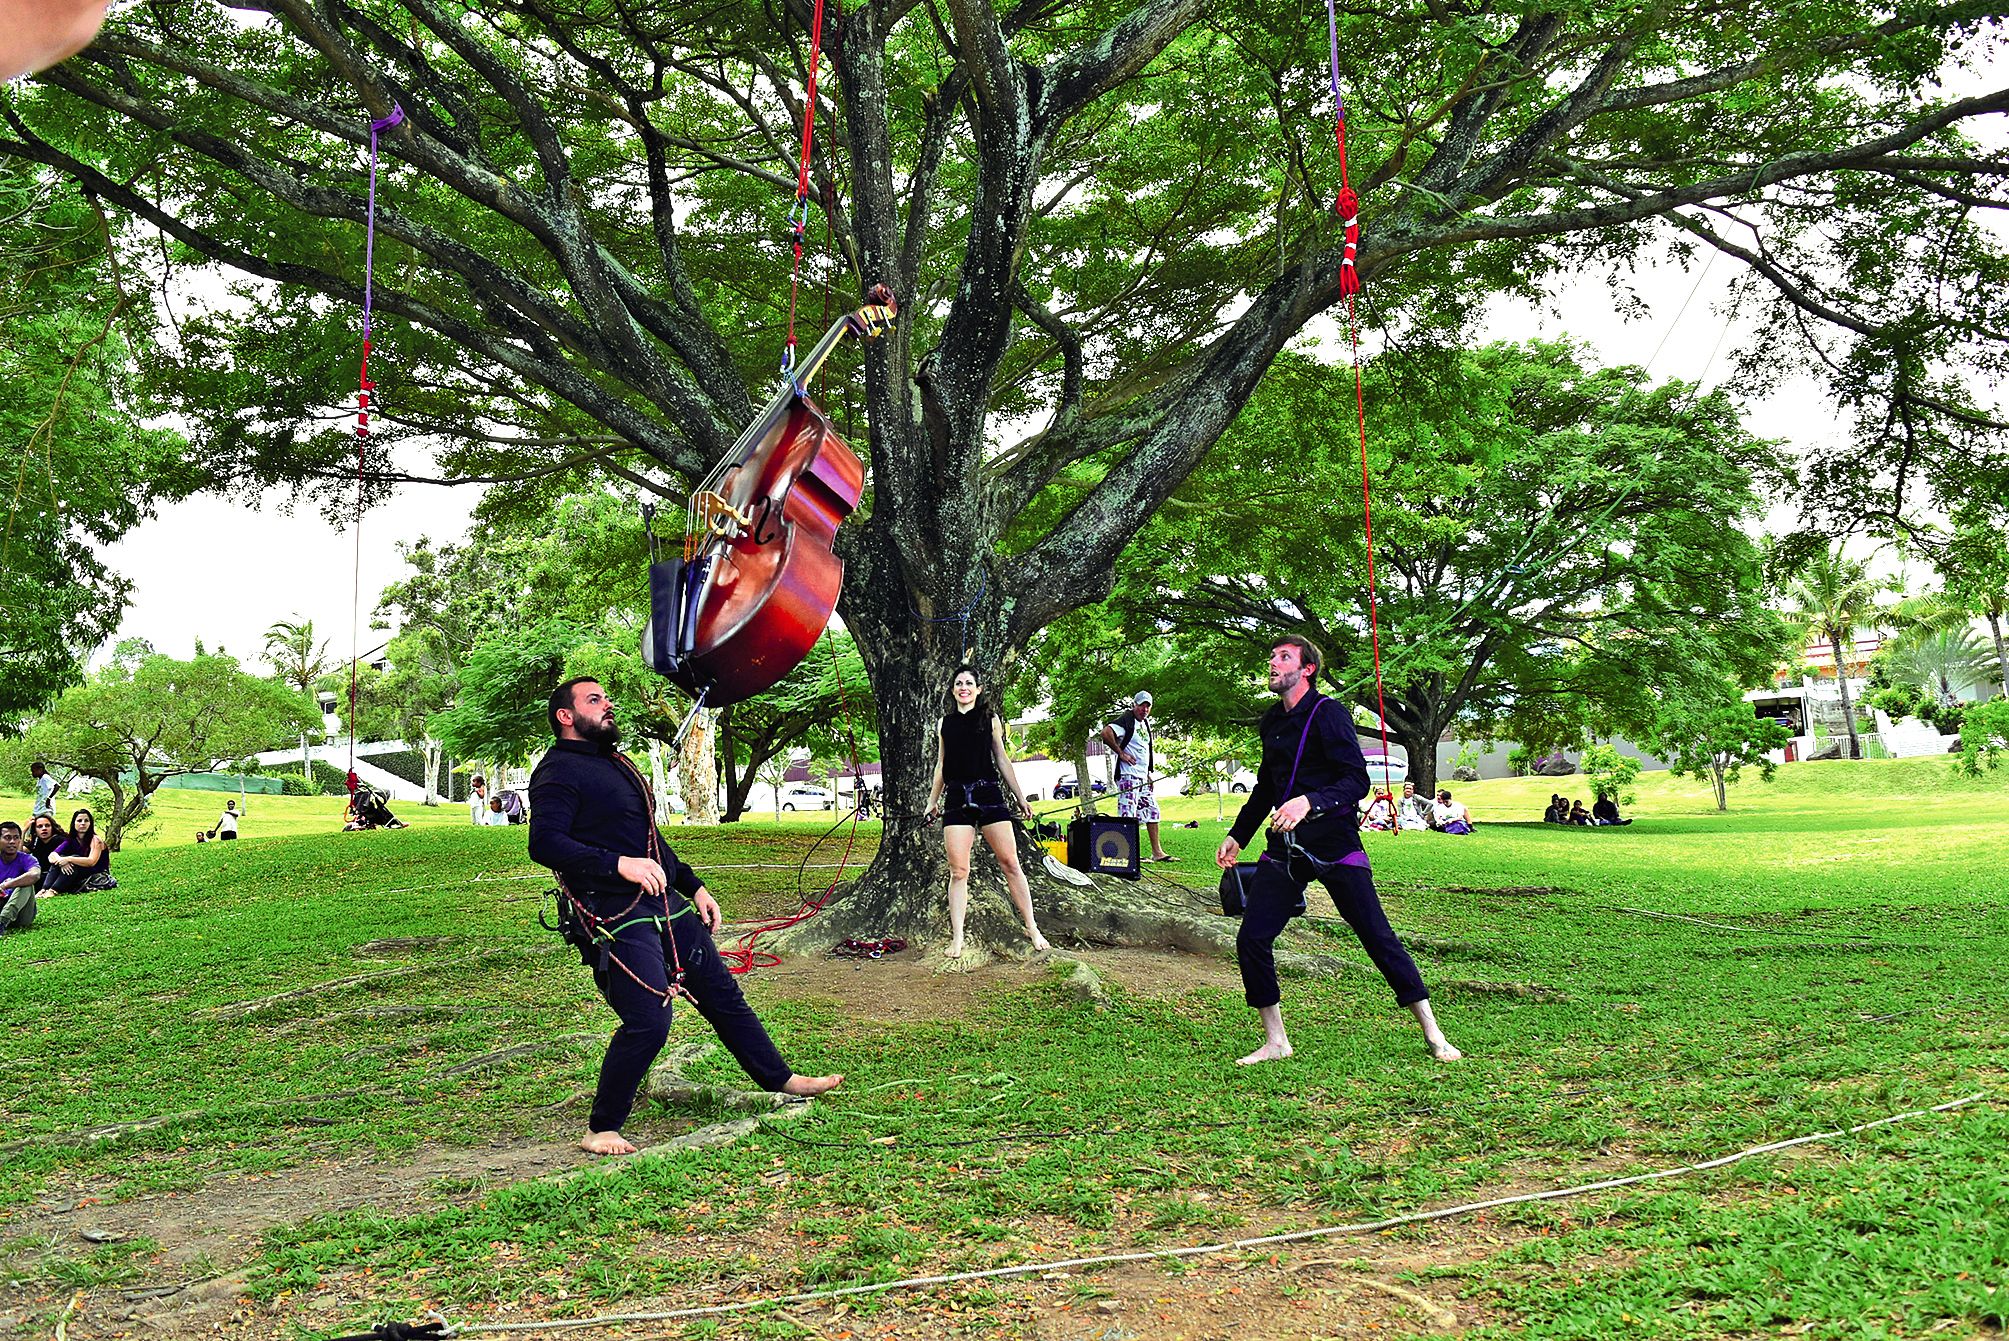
(798, 214)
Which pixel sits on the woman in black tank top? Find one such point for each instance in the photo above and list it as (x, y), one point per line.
(976, 791)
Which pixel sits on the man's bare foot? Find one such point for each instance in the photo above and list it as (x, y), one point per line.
(808, 1087)
(1442, 1050)
(1039, 945)
(1268, 1052)
(955, 950)
(606, 1143)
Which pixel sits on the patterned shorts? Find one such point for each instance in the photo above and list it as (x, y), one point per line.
(1134, 799)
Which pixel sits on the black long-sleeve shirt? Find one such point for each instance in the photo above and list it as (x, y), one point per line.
(587, 811)
(1332, 774)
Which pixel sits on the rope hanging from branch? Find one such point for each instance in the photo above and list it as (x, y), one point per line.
(363, 401)
(1347, 206)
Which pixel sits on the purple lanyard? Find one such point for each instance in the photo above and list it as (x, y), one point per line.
(1309, 718)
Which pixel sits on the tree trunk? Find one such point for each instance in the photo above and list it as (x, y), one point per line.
(2001, 648)
(1848, 706)
(659, 782)
(697, 772)
(1084, 783)
(1716, 770)
(1421, 747)
(306, 767)
(430, 769)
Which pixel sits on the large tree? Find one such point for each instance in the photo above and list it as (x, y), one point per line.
(81, 469)
(566, 280)
(1554, 544)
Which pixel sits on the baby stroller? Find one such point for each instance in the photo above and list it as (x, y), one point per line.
(512, 806)
(372, 809)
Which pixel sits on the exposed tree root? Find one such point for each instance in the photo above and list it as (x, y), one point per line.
(370, 1016)
(112, 1131)
(238, 1010)
(395, 947)
(1437, 1317)
(1082, 982)
(489, 1059)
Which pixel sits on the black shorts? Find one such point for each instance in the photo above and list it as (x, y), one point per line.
(227, 836)
(974, 803)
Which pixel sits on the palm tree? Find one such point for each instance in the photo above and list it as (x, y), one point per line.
(296, 660)
(1944, 662)
(1834, 595)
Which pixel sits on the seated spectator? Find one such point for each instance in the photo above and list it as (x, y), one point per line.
(1558, 811)
(1449, 816)
(81, 861)
(43, 839)
(495, 814)
(1577, 814)
(1605, 811)
(20, 880)
(1412, 811)
(225, 828)
(1380, 814)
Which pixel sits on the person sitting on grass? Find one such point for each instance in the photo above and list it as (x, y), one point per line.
(1558, 811)
(82, 861)
(20, 880)
(43, 839)
(645, 917)
(1605, 811)
(1578, 815)
(1412, 811)
(1380, 813)
(1449, 816)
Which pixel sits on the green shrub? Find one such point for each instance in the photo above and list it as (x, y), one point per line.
(292, 784)
(1520, 759)
(1609, 772)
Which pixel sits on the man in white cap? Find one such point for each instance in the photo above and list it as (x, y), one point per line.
(1129, 738)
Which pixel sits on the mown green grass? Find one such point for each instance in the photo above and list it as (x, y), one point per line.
(1856, 974)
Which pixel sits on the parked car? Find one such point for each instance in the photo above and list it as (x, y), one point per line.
(1067, 789)
(1382, 771)
(802, 796)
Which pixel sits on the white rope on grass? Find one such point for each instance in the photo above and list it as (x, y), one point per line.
(1205, 1249)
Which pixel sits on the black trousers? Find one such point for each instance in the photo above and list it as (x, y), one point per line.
(1273, 900)
(643, 947)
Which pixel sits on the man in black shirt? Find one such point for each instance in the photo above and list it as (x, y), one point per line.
(1309, 787)
(592, 822)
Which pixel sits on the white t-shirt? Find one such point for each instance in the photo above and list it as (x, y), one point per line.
(477, 809)
(45, 794)
(226, 822)
(1449, 811)
(1138, 749)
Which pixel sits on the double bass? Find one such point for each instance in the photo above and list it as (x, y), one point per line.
(758, 578)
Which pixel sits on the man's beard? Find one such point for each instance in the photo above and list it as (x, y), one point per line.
(606, 731)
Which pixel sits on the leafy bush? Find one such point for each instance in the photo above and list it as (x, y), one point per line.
(1520, 760)
(1896, 702)
(1609, 772)
(292, 784)
(1984, 736)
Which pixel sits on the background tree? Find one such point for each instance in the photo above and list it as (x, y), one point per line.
(1552, 543)
(1710, 733)
(1974, 565)
(1832, 596)
(81, 468)
(299, 662)
(1609, 773)
(146, 718)
(571, 199)
(1946, 663)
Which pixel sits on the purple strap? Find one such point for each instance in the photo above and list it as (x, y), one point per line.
(1309, 718)
(1332, 30)
(370, 221)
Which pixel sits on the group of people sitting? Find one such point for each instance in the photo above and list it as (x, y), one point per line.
(44, 859)
(1382, 812)
(1603, 811)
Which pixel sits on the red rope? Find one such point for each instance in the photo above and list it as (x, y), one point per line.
(1347, 206)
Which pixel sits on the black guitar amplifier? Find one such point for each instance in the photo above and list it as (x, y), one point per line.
(1103, 846)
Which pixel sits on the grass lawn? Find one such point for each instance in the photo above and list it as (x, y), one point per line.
(1842, 960)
